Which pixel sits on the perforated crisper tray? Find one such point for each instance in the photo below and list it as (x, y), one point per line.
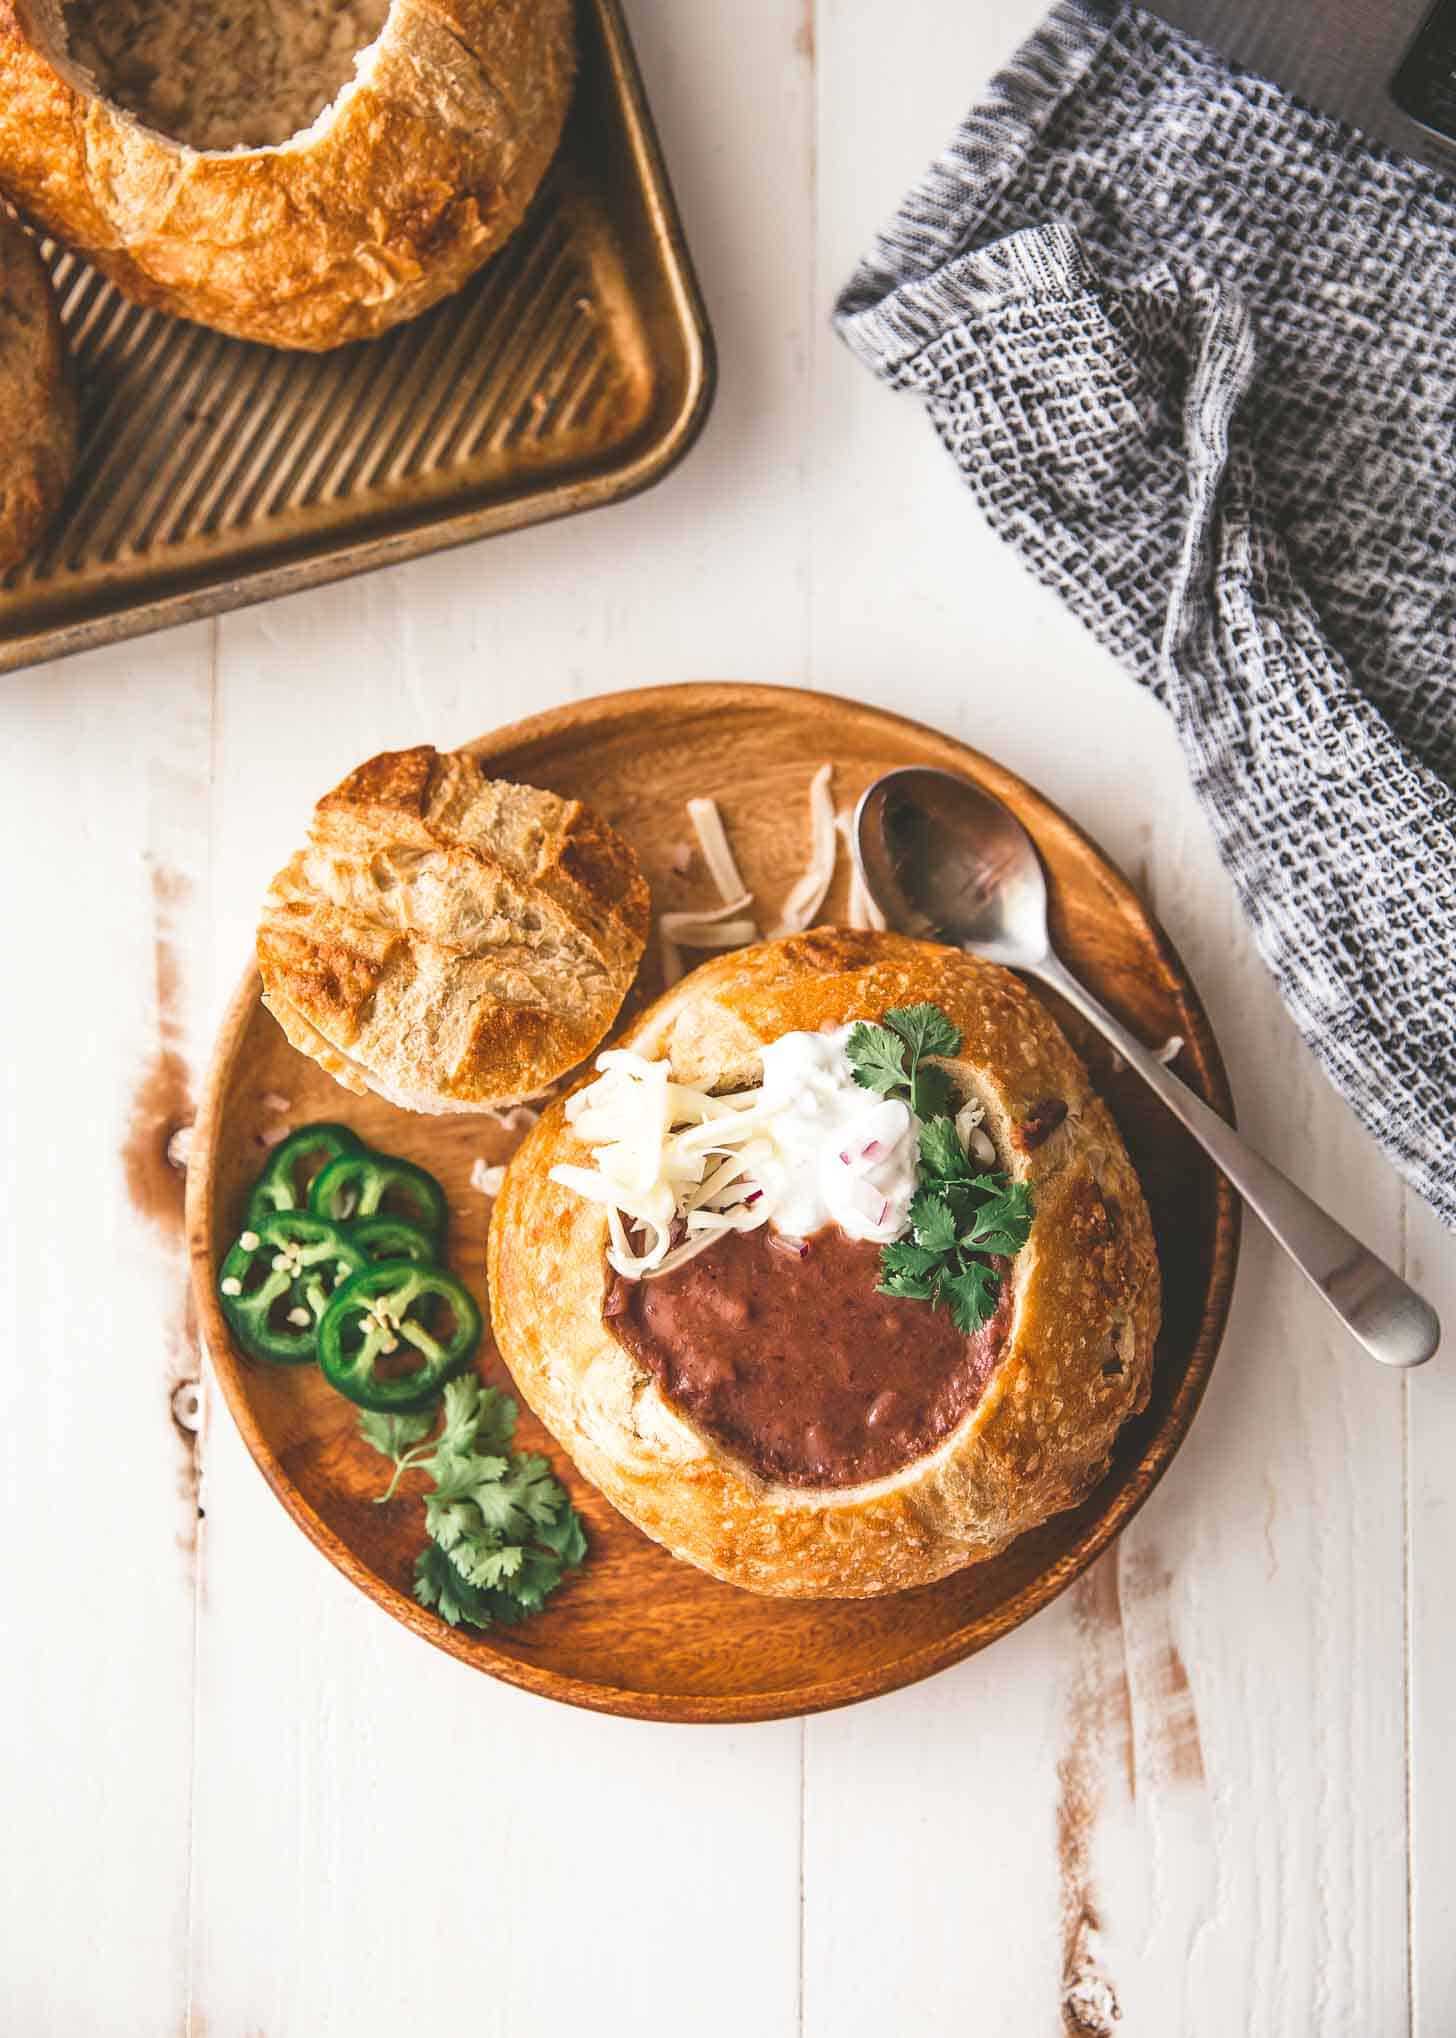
(573, 370)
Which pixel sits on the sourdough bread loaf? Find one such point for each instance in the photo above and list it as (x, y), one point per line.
(1076, 1360)
(37, 413)
(450, 941)
(301, 172)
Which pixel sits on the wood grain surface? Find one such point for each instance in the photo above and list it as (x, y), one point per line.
(637, 1631)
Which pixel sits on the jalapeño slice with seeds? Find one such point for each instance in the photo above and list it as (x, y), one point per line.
(283, 1184)
(391, 1238)
(357, 1185)
(395, 1315)
(277, 1279)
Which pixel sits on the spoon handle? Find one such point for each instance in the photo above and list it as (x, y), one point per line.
(1393, 1323)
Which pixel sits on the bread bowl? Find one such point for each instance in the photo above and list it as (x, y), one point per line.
(37, 412)
(450, 941)
(1031, 1433)
(380, 185)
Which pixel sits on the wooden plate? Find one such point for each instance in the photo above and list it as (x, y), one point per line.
(636, 1631)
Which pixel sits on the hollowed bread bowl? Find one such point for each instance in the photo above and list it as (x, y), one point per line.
(252, 167)
(1078, 1355)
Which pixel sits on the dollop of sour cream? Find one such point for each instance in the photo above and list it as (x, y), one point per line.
(847, 1156)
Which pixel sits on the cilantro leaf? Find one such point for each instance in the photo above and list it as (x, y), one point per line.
(942, 1156)
(488, 1563)
(449, 1522)
(959, 1221)
(565, 1537)
(536, 1580)
(876, 1059)
(911, 1271)
(524, 1498)
(439, 1585)
(924, 1030)
(972, 1289)
(933, 1221)
(476, 1417)
(929, 1092)
(1003, 1222)
(496, 1421)
(457, 1476)
(502, 1529)
(392, 1435)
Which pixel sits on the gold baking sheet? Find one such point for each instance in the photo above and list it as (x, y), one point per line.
(575, 369)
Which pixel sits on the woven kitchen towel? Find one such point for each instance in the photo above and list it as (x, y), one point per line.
(1193, 347)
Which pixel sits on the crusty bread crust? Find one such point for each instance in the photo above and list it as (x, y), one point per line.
(449, 941)
(37, 411)
(390, 201)
(1077, 1362)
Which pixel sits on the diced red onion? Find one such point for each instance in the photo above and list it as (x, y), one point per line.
(756, 1197)
(795, 1248)
(871, 1150)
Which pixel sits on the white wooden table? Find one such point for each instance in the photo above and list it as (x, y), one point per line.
(1204, 1793)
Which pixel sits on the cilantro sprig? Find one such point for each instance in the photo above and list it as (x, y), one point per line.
(960, 1217)
(877, 1056)
(502, 1530)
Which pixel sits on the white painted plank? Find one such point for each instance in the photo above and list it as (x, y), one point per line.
(1431, 1670)
(1246, 1634)
(103, 830)
(429, 1842)
(388, 1841)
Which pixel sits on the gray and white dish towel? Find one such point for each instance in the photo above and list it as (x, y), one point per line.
(1193, 348)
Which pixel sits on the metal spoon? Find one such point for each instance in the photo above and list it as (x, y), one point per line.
(943, 859)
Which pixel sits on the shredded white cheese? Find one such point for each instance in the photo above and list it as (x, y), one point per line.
(1170, 1050)
(713, 840)
(520, 1117)
(802, 905)
(728, 925)
(678, 1167)
(863, 912)
(731, 924)
(488, 1180)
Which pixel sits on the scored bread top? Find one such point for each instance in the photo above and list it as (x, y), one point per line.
(1085, 1292)
(37, 412)
(388, 202)
(450, 941)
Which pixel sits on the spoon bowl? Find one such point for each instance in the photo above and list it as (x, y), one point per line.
(948, 861)
(945, 860)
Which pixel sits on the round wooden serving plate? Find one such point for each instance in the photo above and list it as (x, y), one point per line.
(635, 1631)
